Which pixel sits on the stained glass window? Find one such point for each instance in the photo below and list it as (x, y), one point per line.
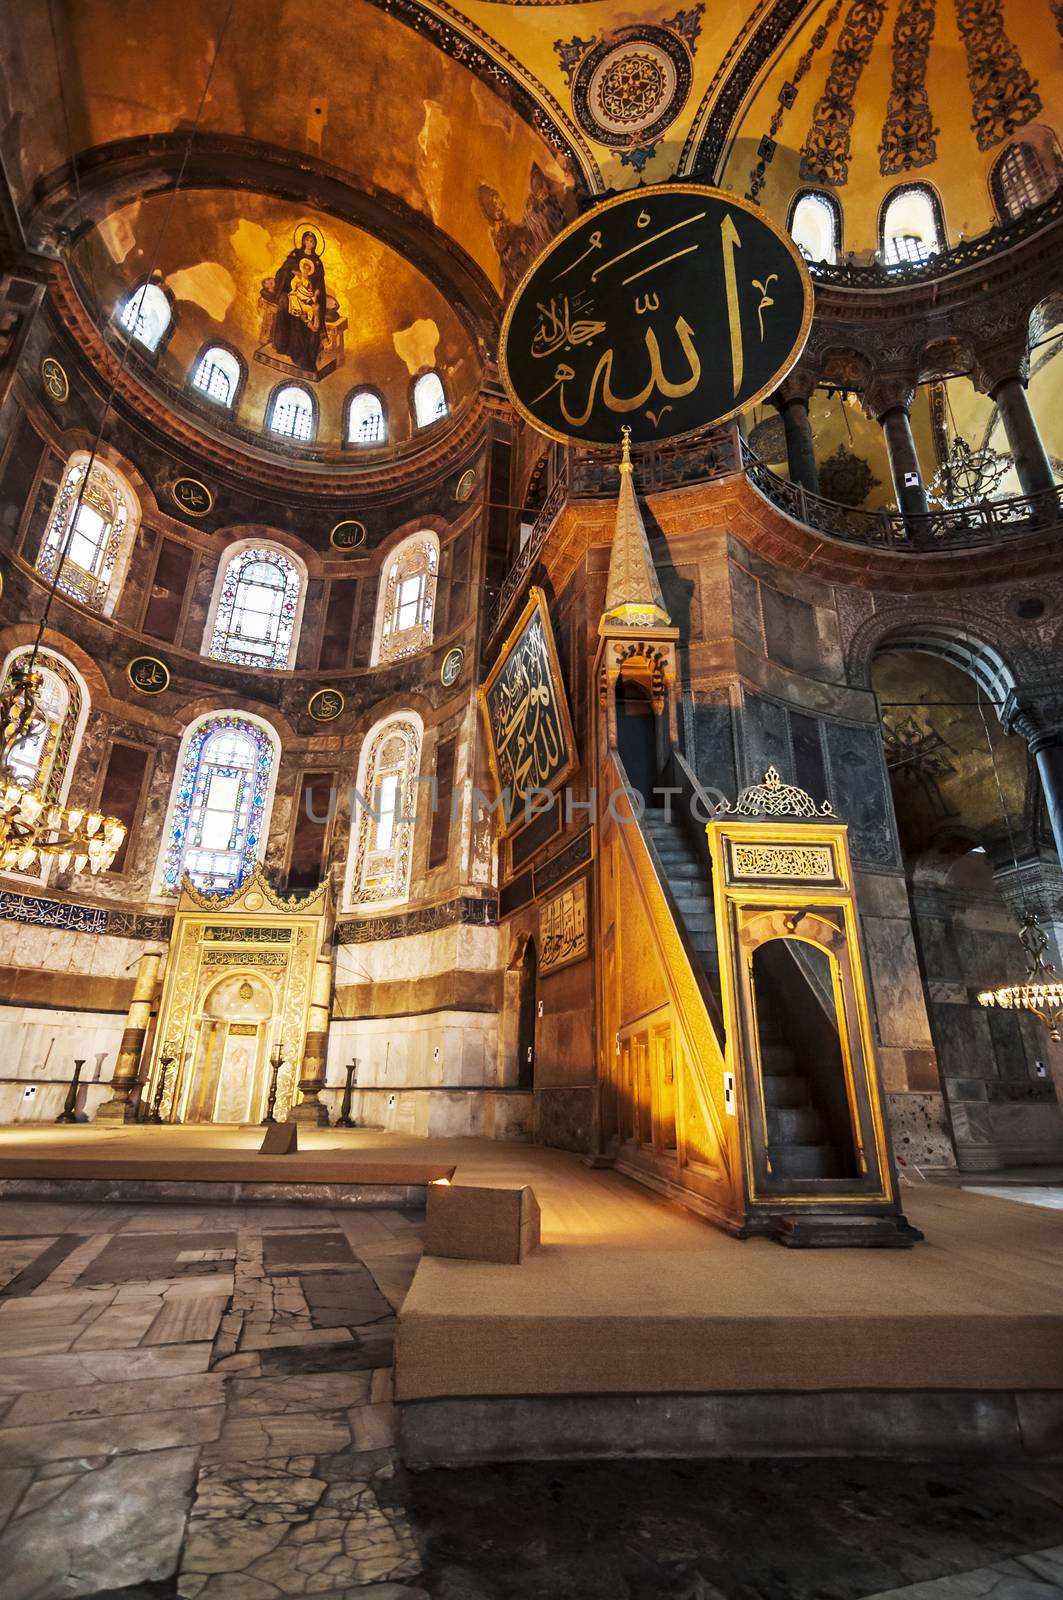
(217, 375)
(814, 228)
(257, 608)
(365, 419)
(146, 315)
(40, 760)
(219, 811)
(292, 413)
(429, 400)
(406, 607)
(385, 805)
(88, 539)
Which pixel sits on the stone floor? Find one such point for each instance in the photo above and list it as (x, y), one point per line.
(196, 1402)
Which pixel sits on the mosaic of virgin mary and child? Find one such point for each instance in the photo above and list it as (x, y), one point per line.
(301, 326)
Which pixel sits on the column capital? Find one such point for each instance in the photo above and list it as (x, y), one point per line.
(800, 384)
(889, 391)
(1035, 712)
(997, 363)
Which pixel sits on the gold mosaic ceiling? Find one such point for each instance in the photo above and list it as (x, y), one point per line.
(463, 136)
(435, 103)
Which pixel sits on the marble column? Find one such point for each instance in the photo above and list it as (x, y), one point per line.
(888, 400)
(791, 398)
(1003, 374)
(315, 1048)
(119, 1108)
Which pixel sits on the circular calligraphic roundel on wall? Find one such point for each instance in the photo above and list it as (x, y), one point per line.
(667, 310)
(628, 89)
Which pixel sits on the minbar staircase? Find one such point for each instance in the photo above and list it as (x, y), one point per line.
(689, 882)
(798, 1141)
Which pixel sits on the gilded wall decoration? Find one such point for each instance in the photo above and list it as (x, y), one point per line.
(846, 477)
(518, 241)
(563, 928)
(804, 862)
(827, 149)
(630, 84)
(1003, 95)
(787, 96)
(529, 729)
(908, 135)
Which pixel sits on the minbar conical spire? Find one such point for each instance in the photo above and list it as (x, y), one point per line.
(633, 597)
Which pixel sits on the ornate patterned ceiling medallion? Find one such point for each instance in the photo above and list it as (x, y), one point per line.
(629, 86)
(846, 477)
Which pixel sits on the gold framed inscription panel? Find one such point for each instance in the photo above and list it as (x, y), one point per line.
(530, 742)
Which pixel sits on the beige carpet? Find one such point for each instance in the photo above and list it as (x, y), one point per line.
(631, 1295)
(212, 1153)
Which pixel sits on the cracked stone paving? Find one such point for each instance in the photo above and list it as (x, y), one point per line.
(196, 1404)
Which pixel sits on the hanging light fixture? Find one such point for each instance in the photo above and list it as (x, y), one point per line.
(1042, 991)
(32, 829)
(966, 476)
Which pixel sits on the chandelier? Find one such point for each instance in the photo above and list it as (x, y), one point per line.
(31, 827)
(967, 476)
(1042, 992)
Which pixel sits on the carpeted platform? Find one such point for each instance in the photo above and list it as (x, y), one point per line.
(215, 1162)
(630, 1297)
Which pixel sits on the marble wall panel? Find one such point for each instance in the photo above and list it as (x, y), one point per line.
(897, 987)
(860, 791)
(565, 1118)
(920, 1130)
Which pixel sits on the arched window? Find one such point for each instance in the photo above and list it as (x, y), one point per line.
(385, 803)
(365, 419)
(1021, 181)
(146, 315)
(429, 400)
(292, 413)
(815, 226)
(219, 812)
(407, 599)
(90, 540)
(217, 375)
(911, 230)
(43, 760)
(257, 605)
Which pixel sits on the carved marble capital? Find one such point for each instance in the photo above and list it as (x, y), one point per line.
(800, 384)
(995, 364)
(889, 391)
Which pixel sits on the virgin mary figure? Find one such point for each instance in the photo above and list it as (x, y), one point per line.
(298, 293)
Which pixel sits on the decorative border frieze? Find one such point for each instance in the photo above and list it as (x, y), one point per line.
(65, 914)
(422, 919)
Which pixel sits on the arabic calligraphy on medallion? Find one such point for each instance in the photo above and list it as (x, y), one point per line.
(325, 705)
(527, 716)
(668, 309)
(148, 674)
(192, 496)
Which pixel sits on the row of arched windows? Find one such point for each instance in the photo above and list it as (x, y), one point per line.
(258, 598)
(911, 226)
(217, 373)
(219, 811)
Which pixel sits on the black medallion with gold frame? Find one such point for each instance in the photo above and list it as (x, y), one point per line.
(669, 309)
(148, 674)
(194, 498)
(530, 741)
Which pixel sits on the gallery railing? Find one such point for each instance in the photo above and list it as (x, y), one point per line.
(725, 454)
(518, 573)
(954, 526)
(969, 252)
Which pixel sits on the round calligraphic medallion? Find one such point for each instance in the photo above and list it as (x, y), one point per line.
(325, 705)
(55, 380)
(148, 674)
(192, 496)
(630, 87)
(465, 486)
(667, 310)
(347, 535)
(452, 663)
